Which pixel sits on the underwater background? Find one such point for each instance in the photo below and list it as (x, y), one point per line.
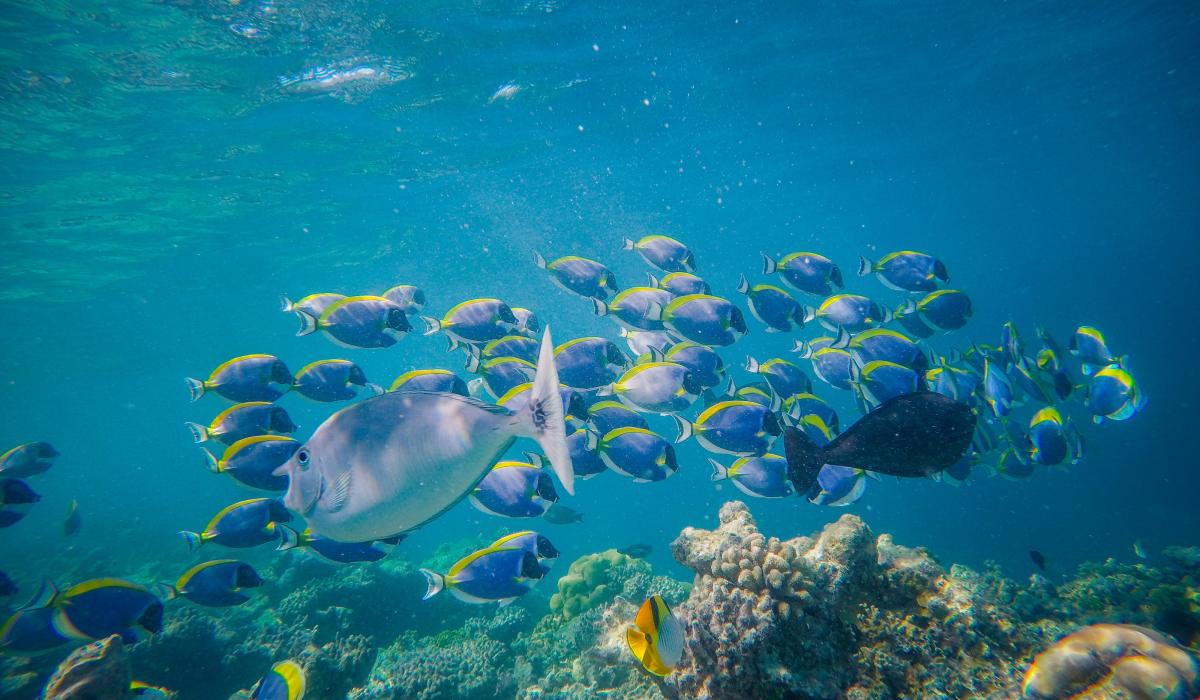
(168, 170)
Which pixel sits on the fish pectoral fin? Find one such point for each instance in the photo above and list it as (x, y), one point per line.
(340, 493)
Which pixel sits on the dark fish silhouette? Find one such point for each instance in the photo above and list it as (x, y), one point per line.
(918, 434)
(1038, 558)
(562, 515)
(637, 551)
(7, 587)
(74, 521)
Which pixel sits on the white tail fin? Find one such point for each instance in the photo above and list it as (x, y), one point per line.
(743, 286)
(194, 539)
(286, 305)
(546, 422)
(599, 307)
(684, 427)
(842, 341)
(803, 349)
(432, 325)
(308, 323)
(195, 387)
(436, 583)
(627, 244)
(652, 281)
(769, 265)
(864, 266)
(539, 260)
(288, 538)
(720, 471)
(375, 389)
(752, 364)
(199, 432)
(211, 461)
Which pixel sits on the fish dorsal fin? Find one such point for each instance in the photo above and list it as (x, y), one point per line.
(339, 492)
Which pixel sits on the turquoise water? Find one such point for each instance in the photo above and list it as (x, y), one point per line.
(168, 171)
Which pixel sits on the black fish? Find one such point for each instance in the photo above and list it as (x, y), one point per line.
(562, 515)
(917, 434)
(637, 551)
(1038, 558)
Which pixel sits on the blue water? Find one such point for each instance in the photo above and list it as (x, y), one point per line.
(160, 188)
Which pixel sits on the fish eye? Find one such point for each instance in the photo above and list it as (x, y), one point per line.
(302, 458)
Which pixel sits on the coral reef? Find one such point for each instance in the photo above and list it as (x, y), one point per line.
(1114, 661)
(596, 579)
(843, 615)
(97, 671)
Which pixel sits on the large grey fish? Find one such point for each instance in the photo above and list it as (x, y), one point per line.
(392, 463)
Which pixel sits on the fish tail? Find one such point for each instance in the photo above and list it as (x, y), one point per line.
(199, 432)
(843, 339)
(435, 581)
(211, 461)
(906, 308)
(475, 387)
(166, 591)
(308, 323)
(599, 307)
(888, 314)
(651, 280)
(804, 459)
(539, 260)
(474, 362)
(684, 426)
(432, 325)
(743, 285)
(654, 311)
(288, 538)
(802, 349)
(720, 471)
(809, 313)
(627, 244)
(769, 265)
(285, 304)
(196, 387)
(544, 416)
(865, 267)
(194, 539)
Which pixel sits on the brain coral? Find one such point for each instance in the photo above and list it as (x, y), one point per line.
(594, 579)
(1114, 661)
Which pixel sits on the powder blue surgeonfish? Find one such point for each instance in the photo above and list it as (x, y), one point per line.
(536, 544)
(1049, 439)
(631, 308)
(510, 346)
(997, 389)
(30, 630)
(880, 380)
(1089, 346)
(807, 272)
(333, 551)
(702, 361)
(801, 405)
(313, 304)
(439, 380)
(499, 375)
(853, 312)
(956, 383)
(409, 298)
(474, 321)
(773, 306)
(285, 681)
(607, 416)
(252, 461)
(391, 463)
(732, 427)
(580, 276)
(834, 366)
(246, 523)
(657, 387)
(785, 378)
(368, 322)
(888, 345)
(947, 309)
(589, 363)
(1113, 394)
(636, 453)
(906, 271)
(216, 584)
(642, 342)
(492, 575)
(663, 252)
(16, 498)
(246, 378)
(762, 476)
(102, 607)
(837, 486)
(332, 380)
(585, 460)
(244, 420)
(681, 283)
(701, 318)
(30, 459)
(515, 490)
